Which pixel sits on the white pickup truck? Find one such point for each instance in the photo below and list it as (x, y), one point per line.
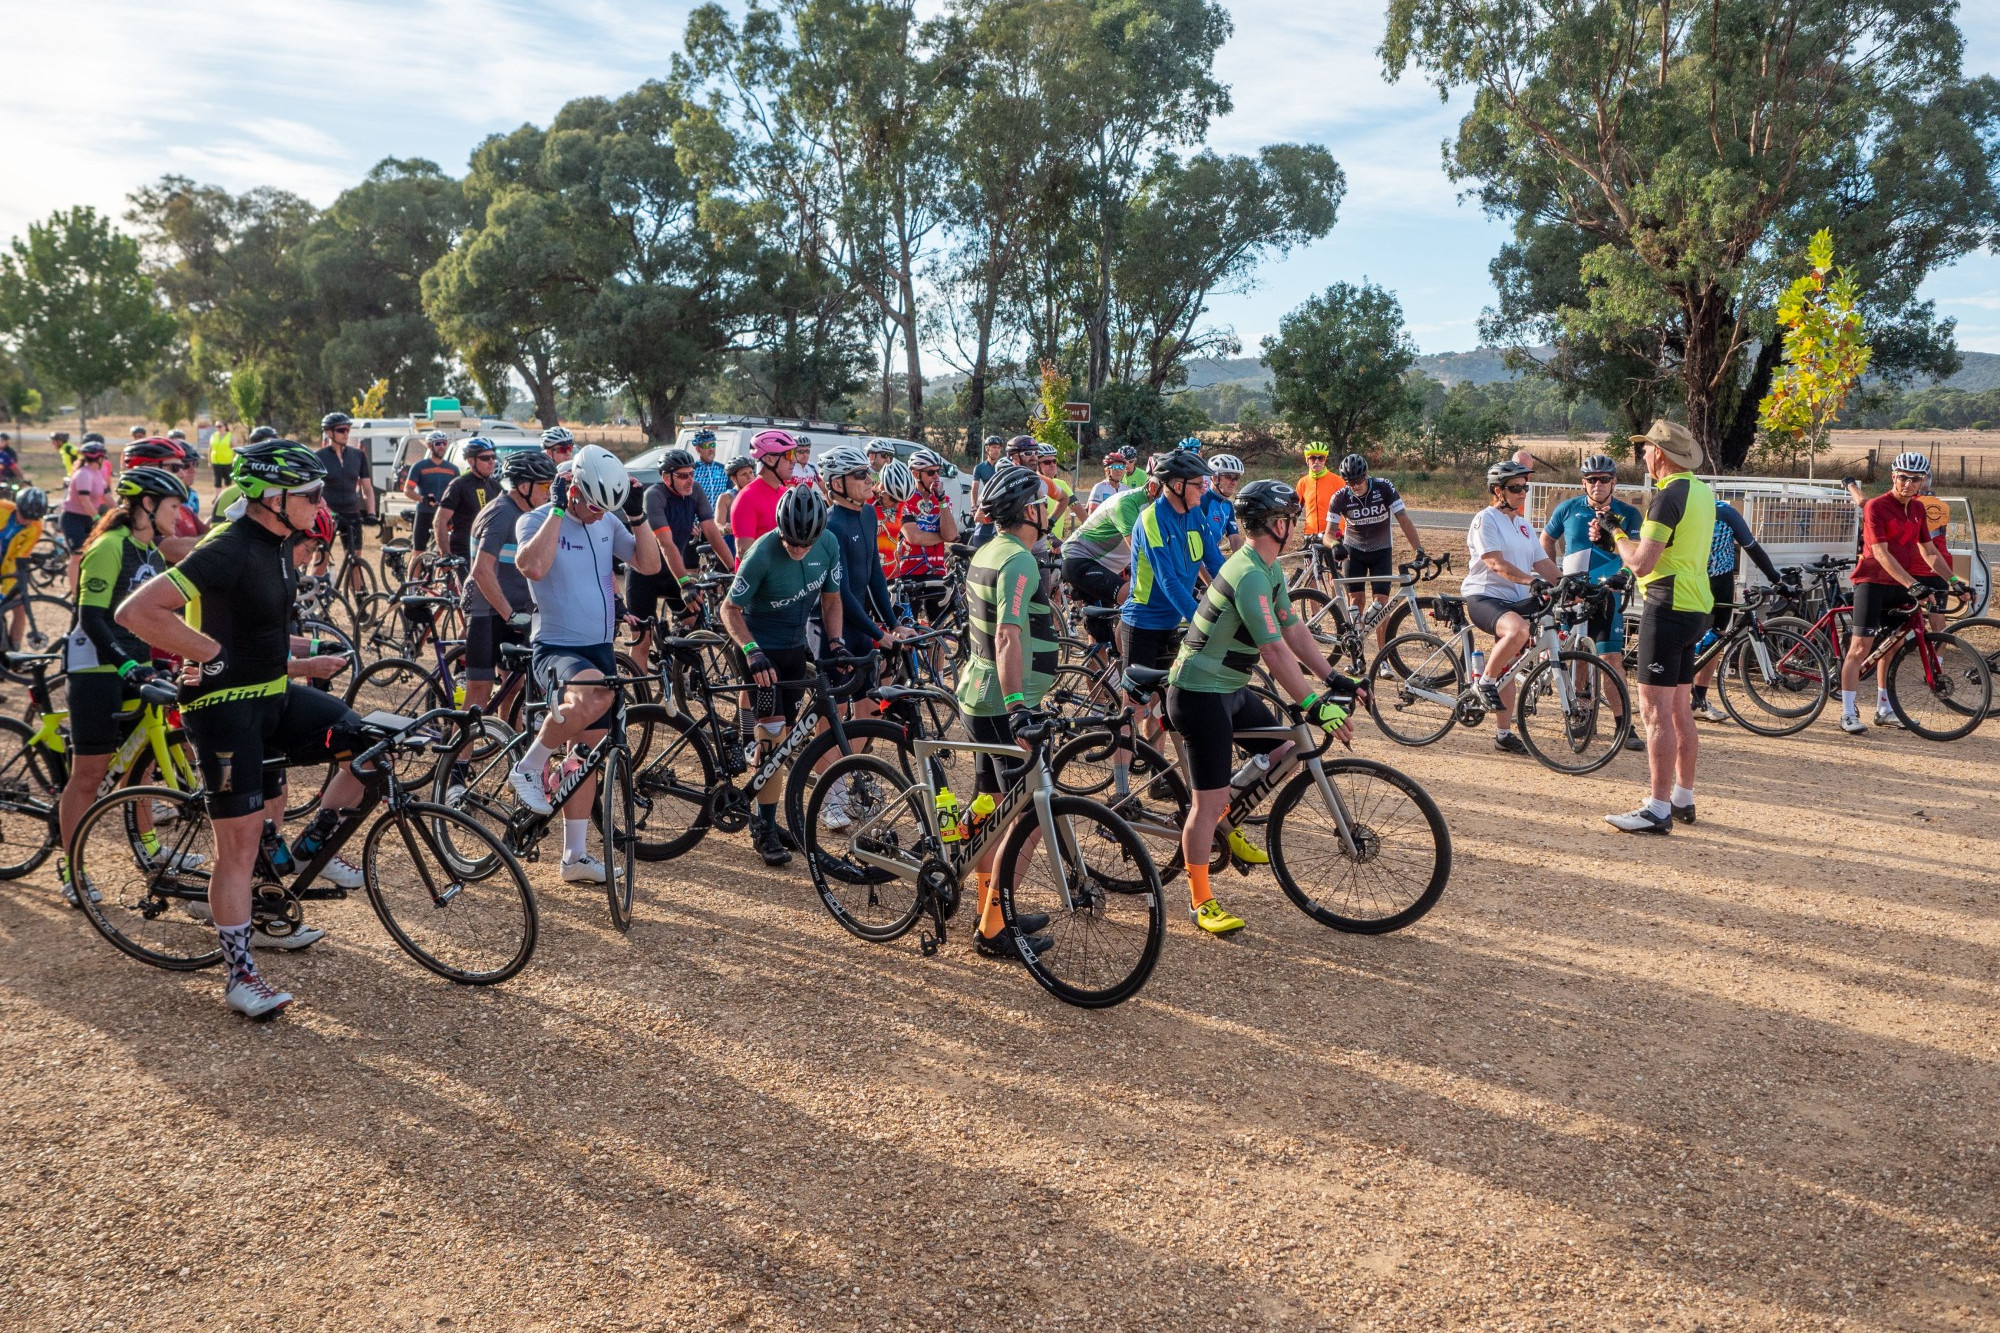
(392, 443)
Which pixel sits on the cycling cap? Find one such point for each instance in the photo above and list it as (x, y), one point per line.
(1226, 465)
(555, 437)
(525, 467)
(333, 419)
(1022, 444)
(1008, 496)
(843, 461)
(897, 482)
(145, 453)
(138, 481)
(1315, 449)
(1505, 471)
(1600, 465)
(923, 460)
(771, 443)
(479, 447)
(600, 477)
(673, 460)
(703, 438)
(1180, 465)
(1262, 503)
(801, 515)
(1911, 462)
(263, 433)
(1353, 466)
(276, 466)
(32, 503)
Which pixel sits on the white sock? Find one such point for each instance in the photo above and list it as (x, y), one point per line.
(1882, 708)
(1847, 703)
(576, 838)
(1683, 795)
(1658, 808)
(536, 757)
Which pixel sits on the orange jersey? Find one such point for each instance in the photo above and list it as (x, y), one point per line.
(1317, 493)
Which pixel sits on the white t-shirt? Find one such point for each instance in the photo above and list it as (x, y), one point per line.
(1513, 539)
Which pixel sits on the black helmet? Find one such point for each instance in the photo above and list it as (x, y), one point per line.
(1599, 465)
(91, 437)
(1261, 503)
(263, 433)
(1007, 497)
(138, 481)
(276, 465)
(1178, 465)
(801, 515)
(673, 460)
(1353, 467)
(32, 504)
(1505, 471)
(1023, 444)
(525, 467)
(332, 419)
(993, 439)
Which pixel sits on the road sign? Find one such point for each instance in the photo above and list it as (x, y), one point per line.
(1076, 413)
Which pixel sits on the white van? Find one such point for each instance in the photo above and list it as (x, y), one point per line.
(393, 443)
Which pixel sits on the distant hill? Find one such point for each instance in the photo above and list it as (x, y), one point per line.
(1980, 373)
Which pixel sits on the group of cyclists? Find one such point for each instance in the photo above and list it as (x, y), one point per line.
(1175, 566)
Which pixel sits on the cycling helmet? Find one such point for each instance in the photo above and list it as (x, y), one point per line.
(880, 447)
(897, 483)
(1911, 462)
(148, 453)
(736, 465)
(843, 461)
(555, 437)
(138, 432)
(1600, 465)
(1505, 471)
(436, 437)
(177, 434)
(479, 447)
(1226, 465)
(525, 467)
(1179, 465)
(1008, 495)
(276, 466)
(1120, 457)
(1046, 450)
(600, 477)
(334, 420)
(60, 437)
(673, 460)
(32, 504)
(768, 444)
(1353, 467)
(1262, 503)
(1021, 444)
(1314, 449)
(322, 530)
(263, 433)
(1191, 443)
(138, 481)
(923, 460)
(91, 436)
(801, 515)
(702, 439)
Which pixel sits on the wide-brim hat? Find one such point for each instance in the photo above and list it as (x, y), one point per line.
(1674, 440)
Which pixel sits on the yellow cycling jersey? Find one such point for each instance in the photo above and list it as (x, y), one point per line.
(17, 538)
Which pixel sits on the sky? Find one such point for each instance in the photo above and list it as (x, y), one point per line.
(98, 97)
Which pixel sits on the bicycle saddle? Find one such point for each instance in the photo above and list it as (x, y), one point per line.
(890, 694)
(382, 725)
(701, 638)
(1099, 612)
(399, 547)
(1146, 679)
(516, 654)
(961, 550)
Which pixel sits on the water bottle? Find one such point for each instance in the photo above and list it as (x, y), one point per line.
(1375, 612)
(275, 850)
(1253, 768)
(1475, 662)
(307, 845)
(982, 810)
(949, 828)
(312, 650)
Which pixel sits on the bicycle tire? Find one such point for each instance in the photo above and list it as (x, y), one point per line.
(28, 796)
(1982, 633)
(1412, 719)
(870, 903)
(147, 911)
(801, 778)
(1156, 793)
(671, 783)
(48, 621)
(418, 931)
(1356, 779)
(1075, 689)
(1962, 689)
(1104, 938)
(1579, 727)
(616, 815)
(1794, 698)
(1344, 648)
(1820, 639)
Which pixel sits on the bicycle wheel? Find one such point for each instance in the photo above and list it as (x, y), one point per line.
(1830, 646)
(1082, 690)
(1397, 866)
(1417, 706)
(616, 816)
(48, 622)
(1982, 634)
(470, 919)
(1945, 697)
(485, 798)
(1776, 691)
(878, 737)
(1096, 883)
(1156, 799)
(887, 819)
(28, 795)
(1328, 622)
(1578, 730)
(155, 907)
(671, 779)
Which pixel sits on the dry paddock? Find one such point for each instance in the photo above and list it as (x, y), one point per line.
(1741, 1077)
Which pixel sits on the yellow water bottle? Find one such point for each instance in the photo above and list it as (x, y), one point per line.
(949, 828)
(982, 810)
(458, 695)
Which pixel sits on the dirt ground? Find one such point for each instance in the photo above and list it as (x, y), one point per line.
(1740, 1077)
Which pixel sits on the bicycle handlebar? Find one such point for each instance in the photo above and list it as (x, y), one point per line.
(365, 762)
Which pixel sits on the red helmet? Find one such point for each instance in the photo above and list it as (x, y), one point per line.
(322, 526)
(153, 452)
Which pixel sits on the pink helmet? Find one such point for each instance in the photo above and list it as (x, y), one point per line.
(770, 443)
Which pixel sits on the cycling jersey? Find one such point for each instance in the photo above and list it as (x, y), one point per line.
(494, 533)
(113, 565)
(1104, 490)
(1732, 531)
(1316, 491)
(1104, 537)
(463, 500)
(1682, 515)
(1570, 524)
(755, 511)
(433, 477)
(346, 469)
(674, 518)
(1903, 526)
(89, 486)
(778, 594)
(240, 589)
(1219, 513)
(864, 592)
(576, 601)
(1246, 606)
(17, 538)
(888, 529)
(1365, 514)
(923, 512)
(1166, 548)
(1003, 586)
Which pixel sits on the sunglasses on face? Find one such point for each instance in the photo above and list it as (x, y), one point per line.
(1515, 490)
(1598, 481)
(682, 474)
(1908, 476)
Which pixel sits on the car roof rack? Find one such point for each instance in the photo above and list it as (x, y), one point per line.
(782, 423)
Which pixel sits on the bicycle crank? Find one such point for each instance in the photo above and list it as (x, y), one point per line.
(729, 810)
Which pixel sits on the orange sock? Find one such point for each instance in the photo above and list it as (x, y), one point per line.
(991, 922)
(1198, 886)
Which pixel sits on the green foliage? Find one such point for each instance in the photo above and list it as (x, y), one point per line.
(23, 403)
(1929, 409)
(77, 307)
(1826, 353)
(1141, 418)
(1049, 426)
(1337, 366)
(246, 394)
(1448, 427)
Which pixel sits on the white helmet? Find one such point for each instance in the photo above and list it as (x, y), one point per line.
(600, 477)
(896, 483)
(1226, 465)
(844, 460)
(1913, 463)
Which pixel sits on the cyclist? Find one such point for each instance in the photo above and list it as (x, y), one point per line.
(1317, 487)
(1578, 537)
(1245, 614)
(1116, 464)
(756, 509)
(84, 499)
(496, 596)
(1669, 556)
(65, 452)
(10, 461)
(425, 481)
(559, 445)
(169, 455)
(782, 577)
(1095, 560)
(221, 455)
(1048, 461)
(1170, 544)
(20, 532)
(894, 483)
(868, 617)
(1732, 535)
(926, 527)
(238, 706)
(983, 471)
(568, 549)
(101, 657)
(1900, 563)
(708, 473)
(1218, 502)
(677, 510)
(350, 494)
(741, 471)
(1507, 562)
(1009, 667)
(464, 498)
(1364, 506)
(803, 471)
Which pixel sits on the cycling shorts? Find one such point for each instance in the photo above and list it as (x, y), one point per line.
(1208, 723)
(420, 531)
(1876, 604)
(1376, 565)
(644, 592)
(995, 774)
(782, 700)
(1722, 588)
(95, 724)
(233, 740)
(1485, 612)
(1607, 624)
(555, 665)
(348, 526)
(76, 529)
(483, 637)
(1148, 647)
(1667, 643)
(1093, 585)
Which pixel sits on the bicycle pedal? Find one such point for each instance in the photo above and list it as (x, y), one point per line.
(927, 944)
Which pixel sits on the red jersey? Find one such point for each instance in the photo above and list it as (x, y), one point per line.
(1903, 526)
(922, 512)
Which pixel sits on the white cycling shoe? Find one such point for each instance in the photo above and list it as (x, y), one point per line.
(834, 814)
(585, 869)
(527, 788)
(254, 997)
(341, 873)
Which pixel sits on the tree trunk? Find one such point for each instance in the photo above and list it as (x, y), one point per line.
(913, 362)
(888, 360)
(1703, 368)
(1742, 431)
(541, 386)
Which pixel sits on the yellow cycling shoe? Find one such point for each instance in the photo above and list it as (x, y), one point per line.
(1246, 851)
(1216, 919)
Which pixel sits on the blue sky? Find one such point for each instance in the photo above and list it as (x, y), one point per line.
(100, 96)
